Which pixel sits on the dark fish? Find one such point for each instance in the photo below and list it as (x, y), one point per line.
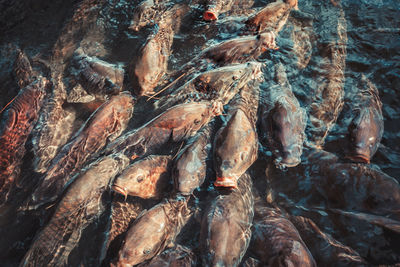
(18, 121)
(103, 126)
(226, 227)
(175, 124)
(276, 242)
(147, 178)
(324, 248)
(98, 78)
(272, 17)
(366, 128)
(153, 60)
(23, 70)
(283, 121)
(236, 143)
(153, 231)
(217, 84)
(81, 206)
(178, 256)
(327, 72)
(190, 166)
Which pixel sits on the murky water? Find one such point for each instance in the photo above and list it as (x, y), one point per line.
(372, 49)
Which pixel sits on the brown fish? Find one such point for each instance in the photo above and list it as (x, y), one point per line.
(226, 227)
(146, 178)
(190, 166)
(153, 60)
(272, 17)
(327, 70)
(217, 84)
(236, 143)
(19, 119)
(153, 232)
(179, 256)
(81, 206)
(23, 70)
(103, 126)
(276, 242)
(216, 7)
(98, 78)
(283, 121)
(324, 248)
(366, 128)
(175, 124)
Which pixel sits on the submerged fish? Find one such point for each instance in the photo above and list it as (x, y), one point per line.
(178, 256)
(272, 17)
(153, 231)
(103, 126)
(226, 227)
(175, 124)
(153, 60)
(23, 70)
(146, 178)
(324, 248)
(366, 128)
(18, 122)
(236, 143)
(81, 206)
(283, 121)
(190, 167)
(276, 242)
(98, 78)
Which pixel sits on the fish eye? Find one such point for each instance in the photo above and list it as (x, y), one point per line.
(146, 251)
(140, 178)
(196, 121)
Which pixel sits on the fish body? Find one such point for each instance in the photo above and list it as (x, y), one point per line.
(23, 70)
(324, 248)
(366, 128)
(98, 78)
(276, 242)
(146, 178)
(19, 120)
(80, 207)
(283, 121)
(271, 18)
(103, 126)
(175, 124)
(153, 231)
(190, 167)
(226, 226)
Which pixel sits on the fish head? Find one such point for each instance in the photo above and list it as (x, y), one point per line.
(292, 3)
(131, 181)
(286, 126)
(211, 14)
(365, 132)
(136, 255)
(267, 41)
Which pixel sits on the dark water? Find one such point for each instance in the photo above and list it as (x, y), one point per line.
(373, 49)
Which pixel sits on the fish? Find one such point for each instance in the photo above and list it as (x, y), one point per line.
(283, 120)
(102, 127)
(81, 206)
(236, 143)
(366, 128)
(226, 226)
(327, 69)
(276, 242)
(179, 256)
(217, 84)
(97, 77)
(23, 71)
(324, 248)
(147, 13)
(152, 63)
(153, 231)
(176, 124)
(271, 18)
(215, 7)
(189, 170)
(17, 123)
(146, 178)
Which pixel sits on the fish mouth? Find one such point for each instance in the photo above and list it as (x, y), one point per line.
(120, 190)
(287, 164)
(359, 158)
(210, 15)
(227, 182)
